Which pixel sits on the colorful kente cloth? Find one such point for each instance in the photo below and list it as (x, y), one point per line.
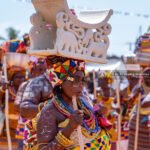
(20, 128)
(101, 142)
(126, 118)
(144, 129)
(94, 141)
(21, 121)
(61, 68)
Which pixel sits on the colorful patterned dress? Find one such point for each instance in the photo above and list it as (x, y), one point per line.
(144, 129)
(93, 141)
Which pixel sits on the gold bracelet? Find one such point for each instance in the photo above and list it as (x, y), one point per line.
(63, 140)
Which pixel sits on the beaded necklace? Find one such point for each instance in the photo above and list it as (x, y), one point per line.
(89, 124)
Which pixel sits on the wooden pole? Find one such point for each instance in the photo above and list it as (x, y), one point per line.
(94, 83)
(7, 107)
(79, 131)
(119, 116)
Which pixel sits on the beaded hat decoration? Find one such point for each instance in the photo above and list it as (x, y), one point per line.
(60, 68)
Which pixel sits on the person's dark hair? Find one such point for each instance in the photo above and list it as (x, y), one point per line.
(57, 90)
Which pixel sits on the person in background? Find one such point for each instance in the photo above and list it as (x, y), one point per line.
(37, 67)
(144, 121)
(16, 76)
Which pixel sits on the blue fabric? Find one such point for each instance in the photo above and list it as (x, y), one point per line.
(144, 119)
(20, 144)
(13, 46)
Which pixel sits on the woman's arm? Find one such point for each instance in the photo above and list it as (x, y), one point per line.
(19, 96)
(36, 90)
(47, 129)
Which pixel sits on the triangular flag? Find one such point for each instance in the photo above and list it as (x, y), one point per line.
(66, 67)
(62, 70)
(58, 69)
(66, 63)
(62, 76)
(72, 63)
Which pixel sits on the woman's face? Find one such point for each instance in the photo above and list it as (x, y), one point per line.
(18, 79)
(38, 70)
(103, 83)
(74, 86)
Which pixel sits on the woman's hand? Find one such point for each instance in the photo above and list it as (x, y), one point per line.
(76, 119)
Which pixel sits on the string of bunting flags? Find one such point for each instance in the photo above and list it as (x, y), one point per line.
(116, 12)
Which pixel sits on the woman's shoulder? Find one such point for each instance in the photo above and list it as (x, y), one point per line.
(51, 112)
(49, 107)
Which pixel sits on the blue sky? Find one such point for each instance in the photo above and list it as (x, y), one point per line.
(124, 28)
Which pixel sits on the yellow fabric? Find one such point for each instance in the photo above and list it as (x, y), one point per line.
(63, 124)
(96, 144)
(145, 111)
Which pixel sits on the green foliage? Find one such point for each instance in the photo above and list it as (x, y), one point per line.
(12, 33)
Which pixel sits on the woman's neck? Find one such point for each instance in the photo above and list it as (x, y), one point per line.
(66, 99)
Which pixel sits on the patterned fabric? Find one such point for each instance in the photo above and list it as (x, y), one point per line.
(144, 134)
(100, 138)
(30, 136)
(101, 142)
(21, 121)
(127, 116)
(20, 131)
(63, 68)
(144, 129)
(111, 116)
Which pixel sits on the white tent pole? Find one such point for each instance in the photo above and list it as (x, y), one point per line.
(7, 107)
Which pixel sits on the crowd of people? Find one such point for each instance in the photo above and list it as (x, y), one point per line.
(41, 112)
